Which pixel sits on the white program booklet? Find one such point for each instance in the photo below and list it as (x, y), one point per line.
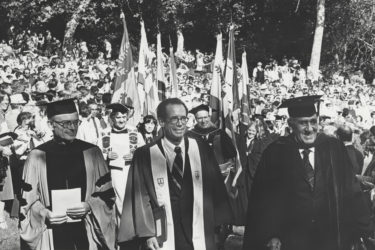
(63, 199)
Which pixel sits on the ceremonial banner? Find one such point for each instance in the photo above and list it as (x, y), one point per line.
(215, 99)
(160, 70)
(145, 76)
(126, 89)
(243, 94)
(231, 102)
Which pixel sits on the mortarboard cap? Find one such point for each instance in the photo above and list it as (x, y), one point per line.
(118, 107)
(303, 106)
(199, 108)
(61, 107)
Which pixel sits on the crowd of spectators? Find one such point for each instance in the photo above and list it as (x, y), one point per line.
(34, 70)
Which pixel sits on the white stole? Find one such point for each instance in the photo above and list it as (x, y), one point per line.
(120, 145)
(160, 177)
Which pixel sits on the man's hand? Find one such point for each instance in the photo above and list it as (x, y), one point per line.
(79, 211)
(274, 244)
(128, 157)
(112, 155)
(54, 219)
(152, 244)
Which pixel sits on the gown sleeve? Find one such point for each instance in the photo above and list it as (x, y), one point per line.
(33, 230)
(137, 219)
(100, 198)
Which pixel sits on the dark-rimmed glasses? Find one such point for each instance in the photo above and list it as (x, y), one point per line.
(176, 119)
(68, 124)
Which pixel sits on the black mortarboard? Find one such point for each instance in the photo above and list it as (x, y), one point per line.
(303, 106)
(118, 107)
(60, 107)
(199, 108)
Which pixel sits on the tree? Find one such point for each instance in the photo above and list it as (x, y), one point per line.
(318, 39)
(71, 26)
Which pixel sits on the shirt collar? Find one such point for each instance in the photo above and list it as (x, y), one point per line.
(312, 150)
(169, 144)
(120, 131)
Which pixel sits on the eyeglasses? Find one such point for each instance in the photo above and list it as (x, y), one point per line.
(68, 124)
(176, 119)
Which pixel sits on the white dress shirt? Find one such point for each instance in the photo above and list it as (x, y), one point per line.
(170, 154)
(311, 156)
(90, 132)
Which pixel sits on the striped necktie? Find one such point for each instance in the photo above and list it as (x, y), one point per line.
(177, 169)
(308, 167)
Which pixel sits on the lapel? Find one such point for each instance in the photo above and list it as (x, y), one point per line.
(160, 146)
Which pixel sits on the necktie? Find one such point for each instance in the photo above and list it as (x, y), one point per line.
(177, 169)
(308, 168)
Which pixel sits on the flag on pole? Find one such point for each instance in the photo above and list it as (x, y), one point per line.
(243, 94)
(145, 76)
(172, 74)
(126, 89)
(230, 103)
(143, 53)
(215, 99)
(142, 64)
(160, 70)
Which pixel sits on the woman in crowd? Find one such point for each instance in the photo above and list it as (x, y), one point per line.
(148, 128)
(6, 185)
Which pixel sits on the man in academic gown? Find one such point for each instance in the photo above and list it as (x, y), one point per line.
(305, 195)
(180, 176)
(118, 148)
(220, 142)
(66, 163)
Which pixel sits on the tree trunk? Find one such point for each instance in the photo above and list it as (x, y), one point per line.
(71, 26)
(318, 39)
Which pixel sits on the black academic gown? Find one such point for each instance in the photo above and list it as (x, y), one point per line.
(137, 220)
(217, 138)
(282, 204)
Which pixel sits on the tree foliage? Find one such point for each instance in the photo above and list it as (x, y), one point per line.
(265, 28)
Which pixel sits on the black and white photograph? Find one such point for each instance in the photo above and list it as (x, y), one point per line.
(187, 125)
